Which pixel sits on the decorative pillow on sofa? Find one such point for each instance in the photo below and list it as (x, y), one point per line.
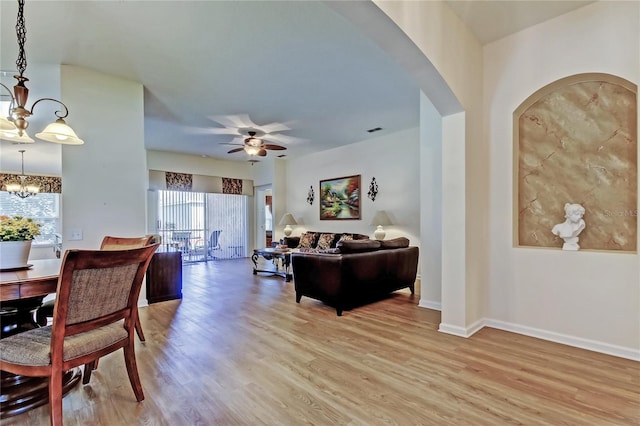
(345, 237)
(356, 246)
(325, 241)
(307, 240)
(399, 242)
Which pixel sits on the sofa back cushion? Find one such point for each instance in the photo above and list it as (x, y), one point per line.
(358, 246)
(399, 242)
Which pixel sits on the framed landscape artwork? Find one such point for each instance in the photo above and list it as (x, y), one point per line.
(340, 198)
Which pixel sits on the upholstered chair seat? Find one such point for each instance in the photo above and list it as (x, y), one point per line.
(39, 343)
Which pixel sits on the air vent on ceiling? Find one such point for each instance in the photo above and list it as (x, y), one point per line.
(375, 129)
(282, 155)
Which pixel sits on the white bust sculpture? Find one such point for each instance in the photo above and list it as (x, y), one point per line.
(570, 228)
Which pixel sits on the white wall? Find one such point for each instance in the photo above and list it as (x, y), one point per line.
(430, 205)
(587, 299)
(195, 164)
(105, 180)
(392, 159)
(457, 56)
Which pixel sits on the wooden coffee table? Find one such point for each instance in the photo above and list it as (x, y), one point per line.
(270, 254)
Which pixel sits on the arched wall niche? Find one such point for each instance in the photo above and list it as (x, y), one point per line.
(576, 141)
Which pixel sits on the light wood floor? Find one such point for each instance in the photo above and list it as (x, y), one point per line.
(238, 350)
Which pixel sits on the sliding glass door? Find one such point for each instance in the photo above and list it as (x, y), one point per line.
(204, 226)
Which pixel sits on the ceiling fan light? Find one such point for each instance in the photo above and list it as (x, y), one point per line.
(60, 132)
(251, 150)
(254, 141)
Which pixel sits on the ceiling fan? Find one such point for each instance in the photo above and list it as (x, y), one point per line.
(238, 127)
(255, 146)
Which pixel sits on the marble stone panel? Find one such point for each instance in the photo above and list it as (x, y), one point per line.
(576, 142)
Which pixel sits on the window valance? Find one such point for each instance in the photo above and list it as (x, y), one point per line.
(173, 181)
(48, 184)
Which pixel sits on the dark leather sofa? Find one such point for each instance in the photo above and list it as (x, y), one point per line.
(358, 272)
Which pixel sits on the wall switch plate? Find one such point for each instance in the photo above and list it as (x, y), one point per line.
(75, 234)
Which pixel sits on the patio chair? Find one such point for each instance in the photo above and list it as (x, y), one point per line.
(182, 241)
(214, 242)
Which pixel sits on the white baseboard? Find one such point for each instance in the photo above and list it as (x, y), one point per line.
(461, 331)
(430, 304)
(578, 342)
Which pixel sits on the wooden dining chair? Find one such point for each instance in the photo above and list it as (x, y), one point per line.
(45, 311)
(120, 243)
(94, 315)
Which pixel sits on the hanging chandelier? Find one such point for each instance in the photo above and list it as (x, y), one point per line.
(13, 128)
(21, 189)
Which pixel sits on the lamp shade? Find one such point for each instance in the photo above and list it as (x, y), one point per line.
(381, 218)
(15, 137)
(60, 132)
(288, 219)
(7, 126)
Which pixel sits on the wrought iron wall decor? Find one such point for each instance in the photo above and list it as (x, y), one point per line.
(310, 195)
(373, 189)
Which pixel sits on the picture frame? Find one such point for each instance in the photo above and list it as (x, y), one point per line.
(340, 198)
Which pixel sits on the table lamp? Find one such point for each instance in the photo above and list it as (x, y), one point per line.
(380, 219)
(288, 220)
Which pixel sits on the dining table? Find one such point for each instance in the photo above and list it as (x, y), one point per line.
(21, 293)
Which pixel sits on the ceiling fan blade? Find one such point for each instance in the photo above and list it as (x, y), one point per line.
(262, 153)
(211, 131)
(234, 141)
(282, 138)
(274, 127)
(273, 147)
(234, 121)
(236, 150)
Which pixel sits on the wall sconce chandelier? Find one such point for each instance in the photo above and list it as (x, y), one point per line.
(13, 128)
(373, 189)
(21, 189)
(310, 195)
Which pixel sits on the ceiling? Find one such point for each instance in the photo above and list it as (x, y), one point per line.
(491, 20)
(296, 67)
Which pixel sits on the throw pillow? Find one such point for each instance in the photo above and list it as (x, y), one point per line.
(325, 240)
(345, 237)
(306, 240)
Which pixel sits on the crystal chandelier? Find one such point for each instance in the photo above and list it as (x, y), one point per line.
(21, 189)
(13, 128)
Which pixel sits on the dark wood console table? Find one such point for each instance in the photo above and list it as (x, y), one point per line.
(164, 275)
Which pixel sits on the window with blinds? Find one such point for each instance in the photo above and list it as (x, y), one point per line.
(204, 226)
(43, 208)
